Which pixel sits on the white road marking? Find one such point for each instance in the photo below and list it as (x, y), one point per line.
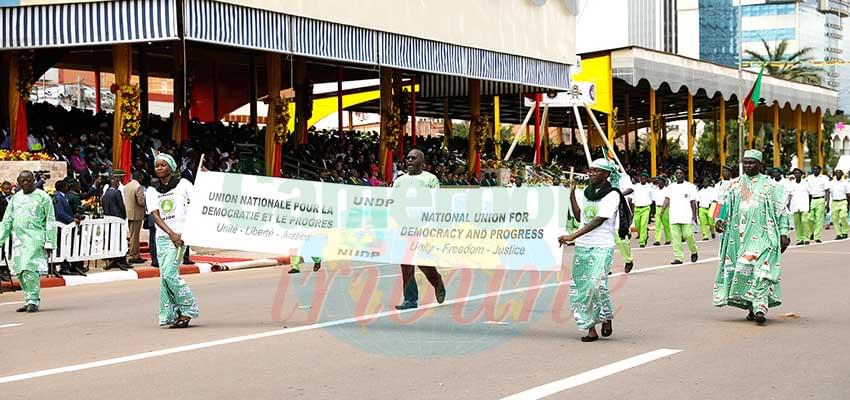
(11, 303)
(590, 376)
(9, 325)
(389, 276)
(280, 332)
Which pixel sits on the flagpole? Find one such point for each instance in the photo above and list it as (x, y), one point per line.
(740, 88)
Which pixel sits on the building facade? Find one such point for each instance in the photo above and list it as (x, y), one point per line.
(604, 25)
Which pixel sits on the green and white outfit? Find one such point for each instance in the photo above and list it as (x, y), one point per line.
(705, 198)
(590, 300)
(29, 220)
(838, 191)
(818, 185)
(748, 275)
(800, 209)
(175, 297)
(642, 199)
(680, 196)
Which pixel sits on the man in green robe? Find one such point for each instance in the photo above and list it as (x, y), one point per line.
(755, 225)
(29, 220)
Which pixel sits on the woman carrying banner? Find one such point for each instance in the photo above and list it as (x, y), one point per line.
(604, 213)
(167, 201)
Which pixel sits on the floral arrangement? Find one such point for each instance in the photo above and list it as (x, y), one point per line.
(130, 115)
(482, 130)
(8, 155)
(393, 126)
(281, 114)
(26, 76)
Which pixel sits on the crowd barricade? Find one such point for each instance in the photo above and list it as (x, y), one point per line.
(92, 239)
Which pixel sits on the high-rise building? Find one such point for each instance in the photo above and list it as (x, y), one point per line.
(608, 24)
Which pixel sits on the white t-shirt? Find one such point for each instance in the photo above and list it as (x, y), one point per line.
(799, 196)
(722, 188)
(658, 195)
(706, 196)
(838, 189)
(172, 206)
(642, 196)
(608, 208)
(817, 185)
(680, 195)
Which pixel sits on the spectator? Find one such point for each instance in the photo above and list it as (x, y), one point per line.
(113, 206)
(134, 203)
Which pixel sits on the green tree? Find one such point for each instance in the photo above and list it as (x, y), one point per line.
(793, 67)
(460, 130)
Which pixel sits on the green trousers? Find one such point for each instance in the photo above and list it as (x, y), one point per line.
(31, 286)
(706, 222)
(680, 231)
(662, 225)
(642, 224)
(297, 261)
(801, 226)
(839, 217)
(625, 247)
(175, 297)
(817, 215)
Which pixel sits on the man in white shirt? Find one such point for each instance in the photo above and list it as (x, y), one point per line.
(798, 204)
(681, 201)
(642, 199)
(706, 197)
(818, 186)
(839, 193)
(723, 185)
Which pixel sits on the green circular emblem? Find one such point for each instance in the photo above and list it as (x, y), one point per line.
(166, 205)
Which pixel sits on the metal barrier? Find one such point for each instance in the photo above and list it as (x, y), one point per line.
(93, 239)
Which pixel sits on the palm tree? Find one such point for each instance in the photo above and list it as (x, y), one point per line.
(792, 67)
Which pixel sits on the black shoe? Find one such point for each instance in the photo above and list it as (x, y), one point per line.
(694, 257)
(705, 239)
(317, 266)
(294, 271)
(657, 244)
(137, 261)
(23, 309)
(155, 265)
(800, 243)
(760, 318)
(666, 243)
(629, 266)
(32, 308)
(751, 316)
(441, 294)
(588, 339)
(818, 241)
(642, 246)
(406, 305)
(713, 236)
(188, 262)
(676, 262)
(806, 243)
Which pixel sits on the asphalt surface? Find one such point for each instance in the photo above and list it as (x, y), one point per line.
(265, 334)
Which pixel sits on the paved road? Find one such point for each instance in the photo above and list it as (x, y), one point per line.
(264, 334)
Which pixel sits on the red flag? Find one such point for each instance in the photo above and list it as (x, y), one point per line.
(21, 140)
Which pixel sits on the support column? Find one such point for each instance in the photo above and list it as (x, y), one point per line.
(179, 99)
(474, 165)
(301, 99)
(652, 132)
(122, 65)
(798, 124)
(497, 127)
(398, 101)
(447, 122)
(691, 138)
(777, 146)
(384, 152)
(18, 136)
(627, 128)
(339, 77)
(819, 121)
(252, 91)
(413, 111)
(216, 111)
(144, 87)
(273, 156)
(97, 91)
(721, 139)
(537, 99)
(751, 130)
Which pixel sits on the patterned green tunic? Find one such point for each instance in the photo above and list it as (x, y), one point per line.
(748, 276)
(29, 220)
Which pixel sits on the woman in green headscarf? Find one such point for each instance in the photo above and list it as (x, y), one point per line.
(167, 201)
(604, 213)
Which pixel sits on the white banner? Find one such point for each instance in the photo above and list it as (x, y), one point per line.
(492, 228)
(580, 94)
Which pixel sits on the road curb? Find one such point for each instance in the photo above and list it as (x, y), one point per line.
(226, 264)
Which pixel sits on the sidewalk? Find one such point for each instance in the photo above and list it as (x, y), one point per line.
(206, 261)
